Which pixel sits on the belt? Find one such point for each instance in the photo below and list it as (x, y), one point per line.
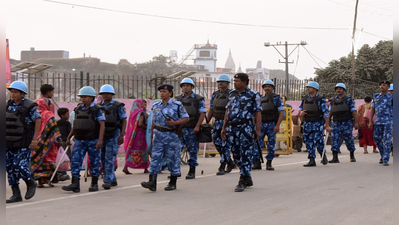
(164, 129)
(240, 123)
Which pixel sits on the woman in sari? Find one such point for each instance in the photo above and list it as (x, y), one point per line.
(44, 156)
(135, 144)
(366, 134)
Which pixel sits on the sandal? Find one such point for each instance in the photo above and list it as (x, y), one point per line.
(126, 171)
(365, 152)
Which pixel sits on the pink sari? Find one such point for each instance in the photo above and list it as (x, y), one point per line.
(135, 144)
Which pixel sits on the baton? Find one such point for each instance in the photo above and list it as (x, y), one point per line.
(59, 163)
(324, 150)
(260, 150)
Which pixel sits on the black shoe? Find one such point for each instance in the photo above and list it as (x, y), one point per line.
(241, 185)
(352, 155)
(380, 162)
(74, 186)
(94, 184)
(16, 195)
(172, 184)
(310, 163)
(257, 164)
(152, 183)
(221, 169)
(114, 184)
(385, 164)
(230, 166)
(30, 188)
(335, 158)
(324, 159)
(191, 173)
(269, 165)
(248, 181)
(107, 186)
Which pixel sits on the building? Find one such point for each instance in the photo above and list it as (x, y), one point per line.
(205, 55)
(258, 73)
(47, 54)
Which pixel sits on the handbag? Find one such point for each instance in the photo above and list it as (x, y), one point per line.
(65, 164)
(205, 133)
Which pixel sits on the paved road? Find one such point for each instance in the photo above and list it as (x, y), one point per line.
(345, 193)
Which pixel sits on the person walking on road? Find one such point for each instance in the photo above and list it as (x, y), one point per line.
(88, 129)
(314, 112)
(22, 129)
(217, 109)
(243, 116)
(115, 126)
(167, 115)
(382, 108)
(195, 107)
(365, 133)
(344, 116)
(272, 115)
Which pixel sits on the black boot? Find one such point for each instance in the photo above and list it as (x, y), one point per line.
(30, 188)
(248, 181)
(230, 166)
(172, 184)
(241, 184)
(310, 163)
(16, 195)
(352, 155)
(191, 173)
(269, 165)
(152, 183)
(324, 159)
(221, 169)
(94, 184)
(74, 186)
(257, 165)
(335, 158)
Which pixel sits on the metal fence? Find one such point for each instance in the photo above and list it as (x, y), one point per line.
(67, 86)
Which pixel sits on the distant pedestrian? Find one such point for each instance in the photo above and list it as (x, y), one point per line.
(366, 134)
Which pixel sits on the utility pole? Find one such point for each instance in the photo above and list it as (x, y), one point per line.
(267, 44)
(353, 51)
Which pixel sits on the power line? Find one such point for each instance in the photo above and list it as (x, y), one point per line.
(194, 20)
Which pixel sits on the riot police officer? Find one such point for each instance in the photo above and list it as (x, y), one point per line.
(243, 112)
(88, 130)
(217, 109)
(167, 115)
(195, 107)
(315, 113)
(115, 126)
(344, 115)
(382, 108)
(272, 115)
(22, 130)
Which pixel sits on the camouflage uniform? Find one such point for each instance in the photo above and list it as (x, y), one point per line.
(383, 124)
(241, 109)
(110, 146)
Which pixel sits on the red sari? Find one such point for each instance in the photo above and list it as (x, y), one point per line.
(367, 139)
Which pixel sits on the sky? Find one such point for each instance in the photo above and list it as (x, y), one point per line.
(139, 30)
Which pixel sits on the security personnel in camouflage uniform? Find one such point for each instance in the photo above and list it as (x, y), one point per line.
(115, 126)
(315, 113)
(195, 107)
(272, 115)
(167, 115)
(88, 130)
(243, 112)
(217, 109)
(344, 116)
(382, 108)
(22, 130)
